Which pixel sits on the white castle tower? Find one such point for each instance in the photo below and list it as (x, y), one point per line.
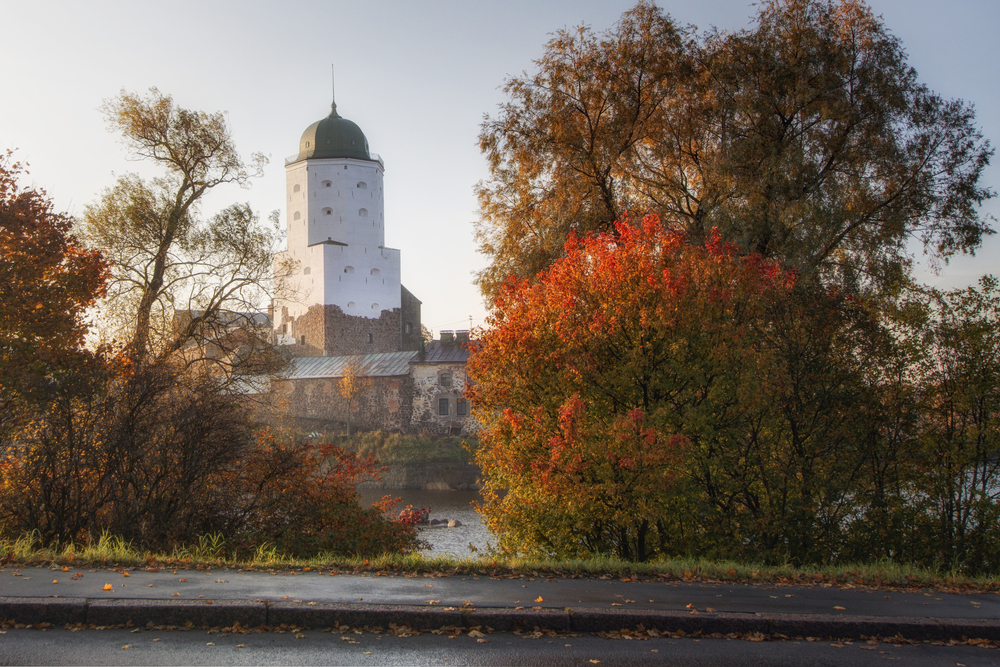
(344, 296)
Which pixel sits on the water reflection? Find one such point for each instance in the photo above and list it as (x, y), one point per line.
(443, 505)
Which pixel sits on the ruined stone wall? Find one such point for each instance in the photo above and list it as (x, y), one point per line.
(326, 331)
(429, 391)
(384, 403)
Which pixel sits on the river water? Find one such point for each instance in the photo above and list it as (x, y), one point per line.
(443, 505)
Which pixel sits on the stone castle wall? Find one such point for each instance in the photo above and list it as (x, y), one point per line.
(384, 403)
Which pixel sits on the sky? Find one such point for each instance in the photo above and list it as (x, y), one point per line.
(416, 77)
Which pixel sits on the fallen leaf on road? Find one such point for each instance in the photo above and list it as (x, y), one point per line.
(476, 633)
(108, 587)
(222, 581)
(184, 579)
(174, 595)
(539, 599)
(432, 601)
(710, 610)
(595, 662)
(241, 646)
(209, 644)
(483, 641)
(55, 581)
(838, 607)
(127, 646)
(126, 574)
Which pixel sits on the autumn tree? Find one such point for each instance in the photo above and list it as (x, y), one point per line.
(597, 381)
(183, 286)
(806, 138)
(47, 281)
(351, 385)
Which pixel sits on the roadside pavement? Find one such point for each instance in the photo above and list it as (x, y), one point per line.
(321, 599)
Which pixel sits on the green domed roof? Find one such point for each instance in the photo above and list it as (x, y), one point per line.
(333, 137)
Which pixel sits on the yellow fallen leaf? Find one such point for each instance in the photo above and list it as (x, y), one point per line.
(127, 646)
(209, 644)
(184, 579)
(539, 599)
(65, 569)
(126, 574)
(483, 641)
(108, 587)
(710, 610)
(476, 633)
(839, 607)
(241, 646)
(55, 581)
(596, 662)
(173, 595)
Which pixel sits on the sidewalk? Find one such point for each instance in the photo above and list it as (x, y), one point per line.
(320, 600)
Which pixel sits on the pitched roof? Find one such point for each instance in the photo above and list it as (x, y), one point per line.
(384, 364)
(437, 352)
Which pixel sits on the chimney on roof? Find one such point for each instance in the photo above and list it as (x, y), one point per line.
(462, 336)
(447, 336)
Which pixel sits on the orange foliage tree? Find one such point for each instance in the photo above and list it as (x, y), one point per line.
(593, 381)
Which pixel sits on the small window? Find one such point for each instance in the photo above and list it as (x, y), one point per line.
(327, 184)
(443, 407)
(348, 269)
(362, 185)
(444, 379)
(462, 407)
(303, 339)
(296, 215)
(374, 306)
(327, 211)
(371, 338)
(284, 328)
(296, 188)
(375, 272)
(307, 144)
(407, 328)
(306, 271)
(363, 213)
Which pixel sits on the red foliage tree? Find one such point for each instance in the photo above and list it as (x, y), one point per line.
(593, 378)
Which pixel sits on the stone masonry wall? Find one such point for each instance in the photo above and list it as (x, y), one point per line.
(410, 307)
(428, 391)
(384, 403)
(329, 332)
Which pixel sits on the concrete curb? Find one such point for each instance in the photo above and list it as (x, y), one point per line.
(248, 613)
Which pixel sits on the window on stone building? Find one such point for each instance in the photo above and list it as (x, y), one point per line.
(374, 306)
(306, 271)
(362, 185)
(284, 328)
(296, 188)
(327, 184)
(443, 407)
(327, 211)
(350, 304)
(375, 272)
(296, 216)
(462, 407)
(407, 328)
(444, 379)
(303, 339)
(363, 212)
(371, 338)
(348, 269)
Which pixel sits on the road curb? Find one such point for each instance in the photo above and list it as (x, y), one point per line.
(248, 613)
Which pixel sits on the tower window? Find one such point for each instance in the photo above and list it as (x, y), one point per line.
(350, 304)
(362, 185)
(306, 271)
(348, 269)
(363, 213)
(303, 339)
(327, 184)
(375, 272)
(374, 306)
(443, 407)
(327, 211)
(296, 216)
(407, 328)
(371, 338)
(296, 188)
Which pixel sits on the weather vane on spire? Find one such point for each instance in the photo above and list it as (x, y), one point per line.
(333, 93)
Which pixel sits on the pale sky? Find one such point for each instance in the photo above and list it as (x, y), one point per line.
(416, 77)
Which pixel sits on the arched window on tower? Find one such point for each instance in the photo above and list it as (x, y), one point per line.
(348, 269)
(296, 216)
(362, 185)
(374, 306)
(296, 188)
(327, 184)
(375, 272)
(327, 211)
(363, 213)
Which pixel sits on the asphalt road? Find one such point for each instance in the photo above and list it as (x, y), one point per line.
(313, 647)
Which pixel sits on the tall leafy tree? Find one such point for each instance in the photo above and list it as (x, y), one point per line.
(181, 283)
(47, 281)
(806, 138)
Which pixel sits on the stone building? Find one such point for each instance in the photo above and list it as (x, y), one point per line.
(340, 286)
(405, 391)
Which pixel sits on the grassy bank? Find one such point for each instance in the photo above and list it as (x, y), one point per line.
(399, 449)
(210, 553)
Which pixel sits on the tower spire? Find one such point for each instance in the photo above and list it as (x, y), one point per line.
(333, 91)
